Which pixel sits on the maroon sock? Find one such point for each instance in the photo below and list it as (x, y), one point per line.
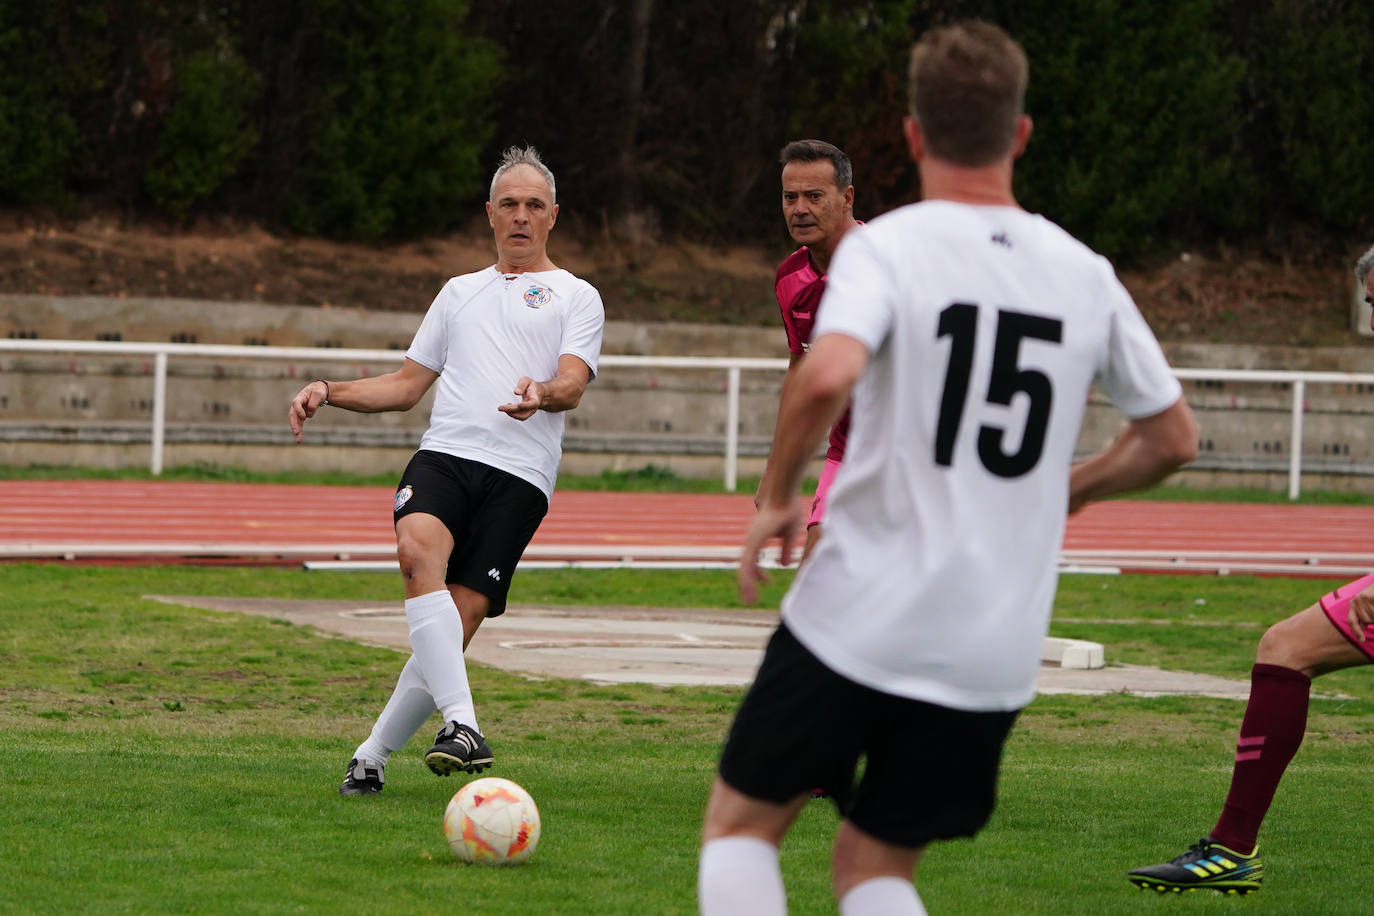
(1270, 734)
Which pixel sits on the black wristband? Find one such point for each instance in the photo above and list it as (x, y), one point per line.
(326, 391)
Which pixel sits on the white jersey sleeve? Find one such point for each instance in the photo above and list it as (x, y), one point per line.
(584, 326)
(429, 348)
(870, 302)
(1134, 374)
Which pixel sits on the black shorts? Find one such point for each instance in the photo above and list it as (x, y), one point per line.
(491, 514)
(930, 772)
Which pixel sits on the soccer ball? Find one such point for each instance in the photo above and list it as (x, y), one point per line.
(492, 821)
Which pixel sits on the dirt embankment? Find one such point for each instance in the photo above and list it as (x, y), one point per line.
(1219, 296)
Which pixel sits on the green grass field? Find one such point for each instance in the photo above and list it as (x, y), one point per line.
(165, 759)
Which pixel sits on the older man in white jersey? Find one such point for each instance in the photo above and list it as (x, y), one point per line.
(473, 495)
(968, 333)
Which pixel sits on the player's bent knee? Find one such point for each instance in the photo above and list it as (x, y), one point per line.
(411, 555)
(858, 857)
(1274, 645)
(418, 559)
(729, 812)
(1304, 642)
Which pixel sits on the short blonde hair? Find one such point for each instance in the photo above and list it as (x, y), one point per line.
(968, 89)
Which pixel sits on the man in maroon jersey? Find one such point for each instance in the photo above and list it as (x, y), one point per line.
(818, 204)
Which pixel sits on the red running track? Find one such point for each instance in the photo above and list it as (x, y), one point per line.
(88, 518)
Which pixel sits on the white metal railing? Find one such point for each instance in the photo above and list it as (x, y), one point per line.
(731, 364)
(161, 351)
(1298, 380)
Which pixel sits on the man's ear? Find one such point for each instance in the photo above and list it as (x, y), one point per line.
(915, 141)
(1024, 127)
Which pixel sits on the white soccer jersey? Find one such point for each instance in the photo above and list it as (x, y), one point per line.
(482, 333)
(985, 328)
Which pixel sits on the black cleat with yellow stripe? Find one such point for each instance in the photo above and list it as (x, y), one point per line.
(1207, 865)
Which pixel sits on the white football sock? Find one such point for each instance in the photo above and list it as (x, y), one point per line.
(740, 875)
(882, 897)
(410, 705)
(436, 638)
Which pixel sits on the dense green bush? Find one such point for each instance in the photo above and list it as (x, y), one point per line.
(207, 131)
(1314, 64)
(397, 120)
(38, 135)
(1157, 125)
(1138, 112)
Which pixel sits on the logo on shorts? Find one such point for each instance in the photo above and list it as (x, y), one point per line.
(494, 573)
(402, 497)
(537, 295)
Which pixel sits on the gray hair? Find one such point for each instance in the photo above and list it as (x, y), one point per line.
(1363, 266)
(522, 155)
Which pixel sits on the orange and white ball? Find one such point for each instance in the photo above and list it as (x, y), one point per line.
(492, 821)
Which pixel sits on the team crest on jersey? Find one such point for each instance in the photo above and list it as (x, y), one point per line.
(537, 295)
(402, 497)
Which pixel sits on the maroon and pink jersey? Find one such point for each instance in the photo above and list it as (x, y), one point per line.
(799, 290)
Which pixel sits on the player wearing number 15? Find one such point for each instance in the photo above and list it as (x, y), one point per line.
(968, 332)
